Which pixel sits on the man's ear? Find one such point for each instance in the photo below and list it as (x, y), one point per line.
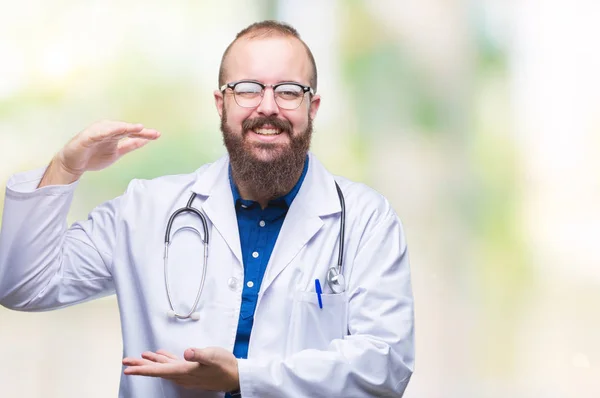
(315, 102)
(219, 102)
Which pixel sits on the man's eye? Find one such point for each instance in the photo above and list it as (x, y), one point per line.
(248, 88)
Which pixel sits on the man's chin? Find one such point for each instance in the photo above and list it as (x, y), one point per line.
(268, 154)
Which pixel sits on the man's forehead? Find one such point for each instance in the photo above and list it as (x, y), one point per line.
(257, 55)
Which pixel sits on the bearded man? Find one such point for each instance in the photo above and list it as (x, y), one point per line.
(258, 275)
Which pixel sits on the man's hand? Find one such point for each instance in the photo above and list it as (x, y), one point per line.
(211, 368)
(96, 148)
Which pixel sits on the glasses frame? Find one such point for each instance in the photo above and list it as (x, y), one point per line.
(305, 89)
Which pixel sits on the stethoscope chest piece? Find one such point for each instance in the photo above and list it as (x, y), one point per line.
(335, 280)
(194, 316)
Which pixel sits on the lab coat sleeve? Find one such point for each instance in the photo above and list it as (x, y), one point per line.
(376, 359)
(43, 264)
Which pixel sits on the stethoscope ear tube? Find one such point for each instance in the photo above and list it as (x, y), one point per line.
(187, 208)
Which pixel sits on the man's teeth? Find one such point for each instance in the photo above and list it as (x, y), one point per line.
(267, 131)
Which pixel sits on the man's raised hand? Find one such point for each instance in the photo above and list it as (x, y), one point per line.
(95, 148)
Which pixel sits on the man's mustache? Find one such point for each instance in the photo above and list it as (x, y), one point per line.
(261, 121)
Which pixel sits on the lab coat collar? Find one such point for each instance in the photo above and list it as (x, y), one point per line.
(212, 185)
(317, 195)
(317, 198)
(210, 175)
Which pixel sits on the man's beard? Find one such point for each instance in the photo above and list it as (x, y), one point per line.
(277, 176)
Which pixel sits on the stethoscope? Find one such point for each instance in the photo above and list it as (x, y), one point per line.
(335, 278)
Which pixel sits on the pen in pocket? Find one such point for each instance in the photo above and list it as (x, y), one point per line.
(319, 292)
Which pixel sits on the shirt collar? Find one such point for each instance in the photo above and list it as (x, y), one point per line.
(287, 199)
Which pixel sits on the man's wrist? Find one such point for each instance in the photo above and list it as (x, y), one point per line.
(56, 175)
(235, 385)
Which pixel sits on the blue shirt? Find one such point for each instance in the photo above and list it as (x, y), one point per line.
(258, 233)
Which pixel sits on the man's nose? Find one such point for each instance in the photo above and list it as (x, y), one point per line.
(268, 106)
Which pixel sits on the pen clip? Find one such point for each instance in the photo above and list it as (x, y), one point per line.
(319, 292)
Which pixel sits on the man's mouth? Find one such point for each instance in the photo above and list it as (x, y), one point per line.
(267, 131)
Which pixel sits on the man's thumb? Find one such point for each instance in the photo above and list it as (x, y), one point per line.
(196, 355)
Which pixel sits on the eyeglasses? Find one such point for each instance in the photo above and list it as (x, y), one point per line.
(249, 93)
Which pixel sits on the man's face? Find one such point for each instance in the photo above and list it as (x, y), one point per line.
(267, 132)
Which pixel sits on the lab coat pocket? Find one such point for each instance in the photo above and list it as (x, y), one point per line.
(314, 327)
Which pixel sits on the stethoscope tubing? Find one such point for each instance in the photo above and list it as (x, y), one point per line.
(205, 239)
(342, 227)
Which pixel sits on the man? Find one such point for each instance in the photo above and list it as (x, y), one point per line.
(273, 313)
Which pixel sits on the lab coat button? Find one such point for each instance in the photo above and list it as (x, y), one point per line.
(232, 283)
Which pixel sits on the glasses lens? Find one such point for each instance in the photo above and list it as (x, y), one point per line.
(289, 96)
(247, 94)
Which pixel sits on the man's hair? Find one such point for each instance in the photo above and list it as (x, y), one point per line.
(268, 29)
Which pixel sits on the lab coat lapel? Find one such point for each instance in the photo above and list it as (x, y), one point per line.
(218, 207)
(298, 228)
(317, 197)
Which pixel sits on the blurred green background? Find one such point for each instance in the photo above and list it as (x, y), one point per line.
(478, 119)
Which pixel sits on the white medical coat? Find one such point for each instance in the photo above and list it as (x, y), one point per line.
(360, 344)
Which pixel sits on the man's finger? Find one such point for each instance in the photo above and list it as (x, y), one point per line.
(111, 129)
(130, 144)
(136, 362)
(132, 130)
(127, 128)
(150, 134)
(168, 370)
(167, 354)
(145, 370)
(155, 357)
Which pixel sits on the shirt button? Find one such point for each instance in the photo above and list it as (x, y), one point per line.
(250, 284)
(255, 254)
(232, 283)
(262, 223)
